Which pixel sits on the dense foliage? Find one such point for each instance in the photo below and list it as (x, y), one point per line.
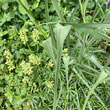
(54, 55)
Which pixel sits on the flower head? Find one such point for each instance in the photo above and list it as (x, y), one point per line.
(65, 51)
(9, 61)
(50, 63)
(107, 3)
(25, 79)
(35, 35)
(26, 67)
(8, 54)
(34, 60)
(49, 84)
(14, 26)
(23, 37)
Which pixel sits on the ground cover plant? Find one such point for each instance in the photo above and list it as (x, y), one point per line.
(54, 55)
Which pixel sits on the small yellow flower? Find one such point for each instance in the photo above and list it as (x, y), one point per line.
(10, 64)
(65, 51)
(26, 67)
(23, 37)
(34, 60)
(50, 64)
(104, 82)
(35, 35)
(28, 104)
(25, 79)
(49, 84)
(8, 54)
(9, 61)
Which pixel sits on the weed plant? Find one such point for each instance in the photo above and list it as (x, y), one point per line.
(58, 60)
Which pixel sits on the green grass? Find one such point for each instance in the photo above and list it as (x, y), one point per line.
(54, 55)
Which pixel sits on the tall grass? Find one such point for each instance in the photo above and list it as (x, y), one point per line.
(86, 34)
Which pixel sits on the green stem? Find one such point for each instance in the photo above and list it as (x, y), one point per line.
(48, 19)
(85, 103)
(68, 37)
(56, 79)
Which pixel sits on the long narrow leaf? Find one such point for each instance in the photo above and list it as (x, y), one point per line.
(55, 4)
(95, 33)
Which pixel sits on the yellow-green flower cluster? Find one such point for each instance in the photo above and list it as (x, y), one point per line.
(49, 84)
(9, 61)
(26, 67)
(34, 60)
(35, 35)
(50, 63)
(65, 51)
(23, 37)
(25, 79)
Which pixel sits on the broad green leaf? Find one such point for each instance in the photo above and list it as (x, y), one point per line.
(9, 94)
(2, 33)
(33, 44)
(48, 45)
(5, 6)
(21, 8)
(61, 34)
(92, 25)
(25, 3)
(36, 4)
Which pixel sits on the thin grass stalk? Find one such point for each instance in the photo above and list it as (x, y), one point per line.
(87, 98)
(60, 92)
(100, 7)
(48, 20)
(101, 78)
(90, 108)
(96, 12)
(32, 18)
(55, 4)
(83, 9)
(56, 78)
(86, 83)
(80, 25)
(67, 83)
(68, 37)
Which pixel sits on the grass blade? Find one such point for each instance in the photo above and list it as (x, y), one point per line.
(95, 33)
(55, 4)
(48, 19)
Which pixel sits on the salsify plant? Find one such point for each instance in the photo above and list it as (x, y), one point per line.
(61, 34)
(86, 34)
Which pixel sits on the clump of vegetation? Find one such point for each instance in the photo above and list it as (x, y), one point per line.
(54, 60)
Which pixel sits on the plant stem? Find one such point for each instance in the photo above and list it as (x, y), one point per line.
(56, 79)
(48, 19)
(68, 37)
